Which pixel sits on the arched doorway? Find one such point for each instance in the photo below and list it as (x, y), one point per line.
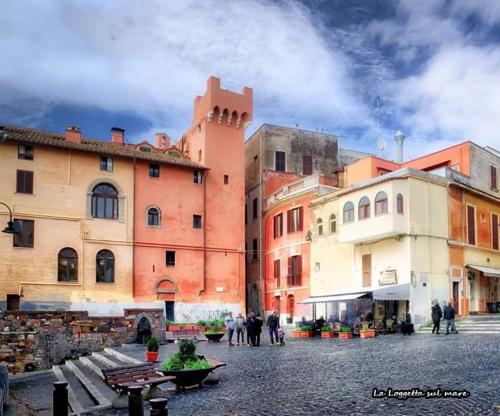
(165, 290)
(290, 306)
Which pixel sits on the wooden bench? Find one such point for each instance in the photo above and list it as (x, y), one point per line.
(183, 334)
(123, 377)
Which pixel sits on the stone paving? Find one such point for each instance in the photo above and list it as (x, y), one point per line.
(325, 377)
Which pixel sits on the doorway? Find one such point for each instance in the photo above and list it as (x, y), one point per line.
(169, 311)
(13, 302)
(291, 308)
(277, 304)
(456, 299)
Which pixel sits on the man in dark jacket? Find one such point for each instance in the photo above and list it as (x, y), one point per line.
(258, 329)
(449, 316)
(252, 328)
(437, 314)
(273, 323)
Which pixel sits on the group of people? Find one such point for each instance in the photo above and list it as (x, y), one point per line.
(251, 327)
(448, 315)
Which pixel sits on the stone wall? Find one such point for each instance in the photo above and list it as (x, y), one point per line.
(32, 340)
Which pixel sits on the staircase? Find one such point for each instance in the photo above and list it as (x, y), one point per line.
(473, 324)
(87, 391)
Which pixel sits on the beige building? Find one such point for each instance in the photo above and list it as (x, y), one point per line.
(385, 240)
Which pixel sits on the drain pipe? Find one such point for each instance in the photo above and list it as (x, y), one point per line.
(204, 219)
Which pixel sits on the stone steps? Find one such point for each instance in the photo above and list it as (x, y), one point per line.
(474, 324)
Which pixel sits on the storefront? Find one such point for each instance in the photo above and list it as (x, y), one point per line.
(483, 288)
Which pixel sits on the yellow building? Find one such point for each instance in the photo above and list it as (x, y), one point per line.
(72, 203)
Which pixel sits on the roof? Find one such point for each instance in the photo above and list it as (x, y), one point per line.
(47, 138)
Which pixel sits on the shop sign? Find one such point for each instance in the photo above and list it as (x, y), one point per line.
(388, 277)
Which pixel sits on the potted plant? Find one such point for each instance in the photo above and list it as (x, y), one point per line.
(326, 331)
(152, 352)
(201, 325)
(214, 333)
(366, 332)
(306, 331)
(171, 326)
(345, 332)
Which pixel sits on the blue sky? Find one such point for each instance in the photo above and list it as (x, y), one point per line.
(317, 64)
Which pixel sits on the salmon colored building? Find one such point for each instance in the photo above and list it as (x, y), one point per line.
(189, 221)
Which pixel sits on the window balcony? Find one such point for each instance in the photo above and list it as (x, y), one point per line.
(373, 228)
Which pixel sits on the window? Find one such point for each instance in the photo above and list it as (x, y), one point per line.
(294, 220)
(348, 212)
(255, 249)
(367, 270)
(170, 258)
(278, 225)
(494, 231)
(400, 204)
(154, 171)
(105, 202)
(255, 207)
(307, 165)
(279, 161)
(381, 206)
(25, 235)
(196, 221)
(493, 171)
(333, 224)
(106, 163)
(226, 179)
(277, 271)
(25, 151)
(294, 277)
(197, 178)
(153, 217)
(145, 149)
(319, 227)
(471, 225)
(24, 183)
(364, 208)
(67, 265)
(105, 267)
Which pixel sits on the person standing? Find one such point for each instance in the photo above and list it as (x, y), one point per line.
(258, 329)
(251, 328)
(273, 323)
(449, 316)
(239, 325)
(230, 328)
(437, 314)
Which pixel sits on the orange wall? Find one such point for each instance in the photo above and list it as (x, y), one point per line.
(458, 154)
(367, 168)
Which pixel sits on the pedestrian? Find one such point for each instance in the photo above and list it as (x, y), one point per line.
(449, 316)
(258, 329)
(251, 328)
(281, 336)
(437, 314)
(230, 328)
(273, 323)
(239, 325)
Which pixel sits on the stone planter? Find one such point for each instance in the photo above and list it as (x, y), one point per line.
(345, 335)
(187, 378)
(326, 334)
(214, 336)
(306, 334)
(367, 334)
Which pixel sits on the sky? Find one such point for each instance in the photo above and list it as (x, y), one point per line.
(316, 64)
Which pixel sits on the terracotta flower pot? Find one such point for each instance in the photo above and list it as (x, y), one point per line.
(174, 327)
(296, 334)
(152, 356)
(327, 335)
(367, 334)
(345, 335)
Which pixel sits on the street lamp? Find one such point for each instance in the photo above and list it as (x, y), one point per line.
(10, 225)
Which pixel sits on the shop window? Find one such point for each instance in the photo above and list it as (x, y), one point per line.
(381, 205)
(67, 265)
(25, 151)
(24, 182)
(105, 267)
(295, 219)
(364, 208)
(348, 212)
(25, 233)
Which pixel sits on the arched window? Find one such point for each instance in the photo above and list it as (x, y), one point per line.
(400, 204)
(67, 265)
(105, 267)
(364, 208)
(333, 224)
(105, 201)
(153, 217)
(348, 212)
(319, 226)
(381, 206)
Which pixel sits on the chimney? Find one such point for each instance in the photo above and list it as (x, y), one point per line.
(400, 138)
(117, 135)
(162, 141)
(73, 134)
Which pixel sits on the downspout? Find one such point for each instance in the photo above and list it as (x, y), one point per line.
(261, 245)
(133, 231)
(204, 219)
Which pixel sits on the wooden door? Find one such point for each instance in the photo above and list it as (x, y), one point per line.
(367, 270)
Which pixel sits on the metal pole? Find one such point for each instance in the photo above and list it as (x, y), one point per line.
(135, 405)
(60, 398)
(159, 407)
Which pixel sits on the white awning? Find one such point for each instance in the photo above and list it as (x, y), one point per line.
(487, 271)
(333, 298)
(393, 292)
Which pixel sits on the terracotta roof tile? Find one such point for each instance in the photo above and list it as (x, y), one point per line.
(36, 136)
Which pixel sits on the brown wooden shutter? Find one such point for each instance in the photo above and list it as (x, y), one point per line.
(275, 221)
(281, 224)
(290, 271)
(471, 225)
(24, 182)
(367, 270)
(289, 221)
(494, 231)
(493, 177)
(299, 271)
(301, 218)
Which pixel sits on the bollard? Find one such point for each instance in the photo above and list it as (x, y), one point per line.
(60, 398)
(159, 407)
(135, 406)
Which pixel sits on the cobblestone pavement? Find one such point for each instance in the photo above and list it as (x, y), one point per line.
(325, 377)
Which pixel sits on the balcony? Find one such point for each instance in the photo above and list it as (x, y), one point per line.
(373, 228)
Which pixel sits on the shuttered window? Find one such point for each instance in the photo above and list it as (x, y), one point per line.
(471, 225)
(367, 270)
(24, 182)
(494, 231)
(294, 277)
(278, 225)
(493, 178)
(277, 271)
(295, 220)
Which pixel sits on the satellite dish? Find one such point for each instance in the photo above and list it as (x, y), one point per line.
(381, 144)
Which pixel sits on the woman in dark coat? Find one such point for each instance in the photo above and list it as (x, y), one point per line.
(252, 328)
(437, 314)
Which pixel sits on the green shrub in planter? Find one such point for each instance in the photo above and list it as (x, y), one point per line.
(153, 344)
(305, 328)
(345, 328)
(185, 358)
(326, 328)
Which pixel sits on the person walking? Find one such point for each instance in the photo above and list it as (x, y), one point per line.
(239, 325)
(449, 316)
(437, 314)
(258, 328)
(251, 328)
(230, 328)
(273, 323)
